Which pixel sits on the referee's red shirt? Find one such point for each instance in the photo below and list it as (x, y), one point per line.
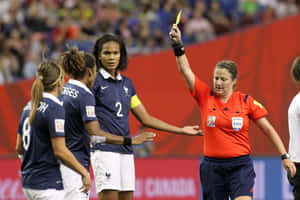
(226, 125)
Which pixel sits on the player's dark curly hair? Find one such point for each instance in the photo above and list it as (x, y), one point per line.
(295, 70)
(107, 38)
(75, 63)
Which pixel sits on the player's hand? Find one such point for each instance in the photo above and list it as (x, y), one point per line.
(87, 183)
(143, 137)
(192, 130)
(289, 166)
(175, 34)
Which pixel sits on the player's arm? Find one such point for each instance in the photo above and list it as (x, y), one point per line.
(271, 133)
(182, 61)
(93, 128)
(68, 159)
(147, 120)
(19, 148)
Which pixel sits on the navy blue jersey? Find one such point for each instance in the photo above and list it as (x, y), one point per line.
(40, 167)
(79, 104)
(113, 98)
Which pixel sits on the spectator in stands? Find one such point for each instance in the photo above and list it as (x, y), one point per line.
(218, 18)
(286, 8)
(198, 28)
(294, 130)
(249, 10)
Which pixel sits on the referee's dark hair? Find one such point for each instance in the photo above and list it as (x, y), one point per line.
(295, 70)
(123, 52)
(230, 66)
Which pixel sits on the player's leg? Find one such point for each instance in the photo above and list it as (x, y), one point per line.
(127, 177)
(243, 198)
(72, 183)
(106, 168)
(213, 180)
(126, 195)
(108, 195)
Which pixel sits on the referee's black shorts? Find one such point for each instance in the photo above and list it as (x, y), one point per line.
(223, 178)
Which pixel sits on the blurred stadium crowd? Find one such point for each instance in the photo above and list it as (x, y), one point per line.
(29, 26)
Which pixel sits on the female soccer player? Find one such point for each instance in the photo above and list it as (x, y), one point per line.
(113, 165)
(41, 138)
(226, 171)
(294, 130)
(81, 121)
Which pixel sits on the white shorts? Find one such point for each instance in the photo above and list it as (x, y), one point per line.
(72, 183)
(49, 194)
(113, 171)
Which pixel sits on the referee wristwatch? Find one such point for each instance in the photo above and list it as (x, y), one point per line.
(285, 156)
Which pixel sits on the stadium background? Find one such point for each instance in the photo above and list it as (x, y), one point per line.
(264, 54)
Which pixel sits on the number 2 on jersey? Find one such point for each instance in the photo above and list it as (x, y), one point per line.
(119, 107)
(26, 134)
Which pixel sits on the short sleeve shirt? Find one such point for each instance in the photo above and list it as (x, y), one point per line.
(40, 167)
(79, 105)
(113, 104)
(226, 125)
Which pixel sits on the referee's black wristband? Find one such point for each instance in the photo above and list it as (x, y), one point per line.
(178, 49)
(127, 140)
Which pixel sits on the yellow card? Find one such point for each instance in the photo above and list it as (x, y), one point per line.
(178, 17)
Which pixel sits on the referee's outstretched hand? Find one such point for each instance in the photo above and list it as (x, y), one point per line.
(192, 130)
(289, 166)
(175, 34)
(143, 137)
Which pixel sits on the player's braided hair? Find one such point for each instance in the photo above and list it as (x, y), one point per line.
(295, 70)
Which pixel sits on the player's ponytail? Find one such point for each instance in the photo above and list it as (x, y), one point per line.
(47, 76)
(36, 95)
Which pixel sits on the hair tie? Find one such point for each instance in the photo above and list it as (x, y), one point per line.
(39, 76)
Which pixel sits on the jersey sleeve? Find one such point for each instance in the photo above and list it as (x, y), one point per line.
(256, 110)
(21, 122)
(200, 91)
(87, 108)
(56, 122)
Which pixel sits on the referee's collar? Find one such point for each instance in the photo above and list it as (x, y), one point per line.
(107, 75)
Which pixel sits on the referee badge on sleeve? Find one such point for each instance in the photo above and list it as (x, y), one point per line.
(211, 121)
(90, 111)
(237, 123)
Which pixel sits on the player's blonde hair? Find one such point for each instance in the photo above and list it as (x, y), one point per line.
(47, 76)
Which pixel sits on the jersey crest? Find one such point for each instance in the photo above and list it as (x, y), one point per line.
(211, 121)
(237, 123)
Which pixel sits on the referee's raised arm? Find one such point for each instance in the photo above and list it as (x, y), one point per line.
(181, 59)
